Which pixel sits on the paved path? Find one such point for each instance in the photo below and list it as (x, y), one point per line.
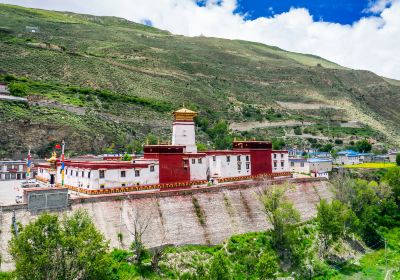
(243, 126)
(8, 191)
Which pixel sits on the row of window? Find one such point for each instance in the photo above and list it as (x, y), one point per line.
(102, 173)
(276, 155)
(301, 164)
(282, 164)
(239, 166)
(228, 158)
(199, 160)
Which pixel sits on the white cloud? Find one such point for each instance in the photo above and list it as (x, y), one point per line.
(372, 43)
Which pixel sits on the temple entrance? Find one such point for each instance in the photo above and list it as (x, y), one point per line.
(52, 179)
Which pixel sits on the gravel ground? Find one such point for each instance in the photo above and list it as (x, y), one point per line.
(8, 191)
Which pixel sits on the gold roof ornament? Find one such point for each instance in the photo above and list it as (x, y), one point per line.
(53, 157)
(184, 115)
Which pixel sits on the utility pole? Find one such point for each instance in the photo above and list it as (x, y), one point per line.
(14, 222)
(386, 266)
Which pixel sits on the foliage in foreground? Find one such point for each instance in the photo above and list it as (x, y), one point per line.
(60, 248)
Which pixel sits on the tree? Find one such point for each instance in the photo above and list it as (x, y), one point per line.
(219, 269)
(278, 143)
(60, 248)
(332, 219)
(280, 213)
(221, 135)
(126, 157)
(298, 131)
(140, 225)
(327, 148)
(392, 178)
(398, 159)
(363, 146)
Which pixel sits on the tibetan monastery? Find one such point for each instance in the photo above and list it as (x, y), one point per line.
(170, 166)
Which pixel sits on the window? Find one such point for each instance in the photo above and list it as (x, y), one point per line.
(83, 174)
(239, 166)
(228, 158)
(88, 174)
(292, 164)
(200, 160)
(275, 165)
(247, 165)
(274, 155)
(60, 170)
(123, 173)
(247, 158)
(71, 172)
(238, 158)
(282, 163)
(137, 173)
(281, 155)
(152, 168)
(76, 173)
(301, 164)
(102, 185)
(123, 185)
(101, 174)
(193, 160)
(214, 158)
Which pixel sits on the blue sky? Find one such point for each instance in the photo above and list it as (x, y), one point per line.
(339, 11)
(359, 34)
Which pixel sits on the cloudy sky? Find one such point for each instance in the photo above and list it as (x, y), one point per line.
(361, 34)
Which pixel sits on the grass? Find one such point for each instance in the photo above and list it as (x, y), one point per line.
(371, 165)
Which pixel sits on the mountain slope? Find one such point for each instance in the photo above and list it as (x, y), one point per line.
(82, 60)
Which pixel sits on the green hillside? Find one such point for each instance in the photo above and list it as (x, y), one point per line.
(105, 81)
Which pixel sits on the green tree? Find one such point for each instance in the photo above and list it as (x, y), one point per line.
(135, 146)
(398, 159)
(327, 148)
(278, 143)
(363, 146)
(219, 269)
(151, 139)
(60, 248)
(298, 131)
(18, 89)
(280, 213)
(267, 266)
(332, 219)
(126, 157)
(392, 178)
(221, 135)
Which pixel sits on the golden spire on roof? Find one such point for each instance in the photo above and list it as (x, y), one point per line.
(184, 114)
(53, 157)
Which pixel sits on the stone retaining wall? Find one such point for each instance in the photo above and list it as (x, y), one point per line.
(225, 210)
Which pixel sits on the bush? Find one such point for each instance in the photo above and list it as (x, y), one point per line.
(18, 89)
(398, 159)
(267, 267)
(298, 131)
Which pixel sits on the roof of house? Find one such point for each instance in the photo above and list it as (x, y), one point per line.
(315, 160)
(348, 153)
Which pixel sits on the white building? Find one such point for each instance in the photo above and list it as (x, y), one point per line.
(347, 157)
(280, 161)
(228, 164)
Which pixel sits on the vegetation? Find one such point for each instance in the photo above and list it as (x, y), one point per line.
(398, 159)
(60, 248)
(334, 245)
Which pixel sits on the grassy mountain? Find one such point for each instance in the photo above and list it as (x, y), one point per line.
(105, 81)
